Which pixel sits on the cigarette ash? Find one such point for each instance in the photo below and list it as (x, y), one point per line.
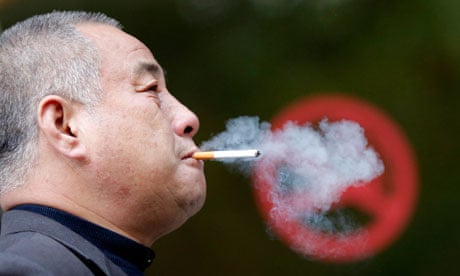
(314, 164)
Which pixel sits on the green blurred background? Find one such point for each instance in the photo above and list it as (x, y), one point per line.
(227, 58)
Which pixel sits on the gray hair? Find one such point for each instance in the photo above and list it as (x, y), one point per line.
(43, 55)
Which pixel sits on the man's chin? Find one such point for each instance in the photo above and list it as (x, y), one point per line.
(195, 205)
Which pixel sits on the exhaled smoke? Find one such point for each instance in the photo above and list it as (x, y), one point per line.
(309, 166)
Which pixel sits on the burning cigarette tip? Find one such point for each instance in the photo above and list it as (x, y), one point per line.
(208, 155)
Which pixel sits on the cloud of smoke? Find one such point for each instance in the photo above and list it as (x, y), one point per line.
(309, 166)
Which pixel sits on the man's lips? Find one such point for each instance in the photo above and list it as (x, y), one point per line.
(188, 158)
(189, 154)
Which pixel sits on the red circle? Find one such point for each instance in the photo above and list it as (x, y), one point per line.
(389, 199)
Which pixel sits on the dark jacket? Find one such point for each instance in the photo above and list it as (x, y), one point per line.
(32, 244)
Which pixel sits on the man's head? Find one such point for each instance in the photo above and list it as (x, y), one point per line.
(41, 56)
(88, 126)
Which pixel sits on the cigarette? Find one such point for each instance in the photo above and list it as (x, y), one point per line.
(208, 155)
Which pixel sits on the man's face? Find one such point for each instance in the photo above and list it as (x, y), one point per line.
(140, 136)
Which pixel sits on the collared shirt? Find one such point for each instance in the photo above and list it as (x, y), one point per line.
(130, 256)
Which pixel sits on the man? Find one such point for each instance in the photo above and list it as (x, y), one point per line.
(95, 153)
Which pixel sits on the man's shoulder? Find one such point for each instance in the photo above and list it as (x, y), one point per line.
(32, 244)
(31, 253)
(12, 264)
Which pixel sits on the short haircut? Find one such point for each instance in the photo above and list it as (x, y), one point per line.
(40, 56)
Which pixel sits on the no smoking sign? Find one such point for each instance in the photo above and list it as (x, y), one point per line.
(367, 219)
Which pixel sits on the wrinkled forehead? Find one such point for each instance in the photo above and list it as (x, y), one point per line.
(119, 52)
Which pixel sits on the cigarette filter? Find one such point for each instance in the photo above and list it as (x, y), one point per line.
(207, 155)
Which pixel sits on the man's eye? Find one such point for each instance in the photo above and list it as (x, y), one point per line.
(154, 88)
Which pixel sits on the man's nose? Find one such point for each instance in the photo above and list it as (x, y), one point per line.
(185, 122)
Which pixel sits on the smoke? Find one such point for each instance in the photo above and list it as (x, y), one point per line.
(309, 166)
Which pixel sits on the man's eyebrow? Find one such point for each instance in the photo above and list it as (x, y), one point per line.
(148, 67)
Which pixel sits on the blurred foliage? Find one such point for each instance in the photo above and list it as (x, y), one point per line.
(227, 58)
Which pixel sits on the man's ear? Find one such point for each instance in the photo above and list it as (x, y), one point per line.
(57, 121)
